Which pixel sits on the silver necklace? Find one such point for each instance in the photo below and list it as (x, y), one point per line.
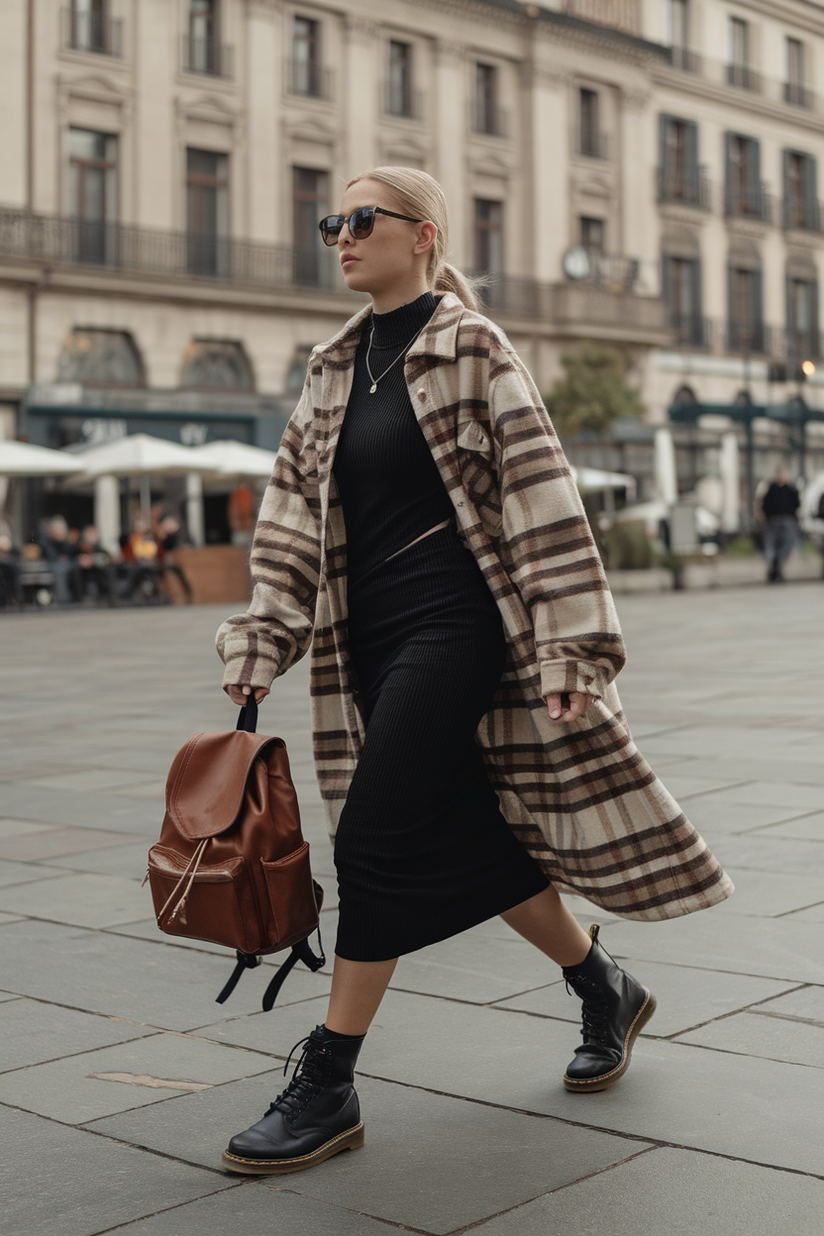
(375, 380)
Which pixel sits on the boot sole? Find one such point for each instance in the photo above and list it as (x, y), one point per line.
(591, 1085)
(350, 1139)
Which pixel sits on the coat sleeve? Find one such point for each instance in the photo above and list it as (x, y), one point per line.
(276, 630)
(554, 562)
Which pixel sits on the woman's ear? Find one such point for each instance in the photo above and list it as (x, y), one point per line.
(426, 237)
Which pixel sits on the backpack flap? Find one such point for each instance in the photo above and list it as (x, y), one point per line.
(207, 781)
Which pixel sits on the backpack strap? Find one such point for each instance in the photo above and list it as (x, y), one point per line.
(300, 952)
(245, 961)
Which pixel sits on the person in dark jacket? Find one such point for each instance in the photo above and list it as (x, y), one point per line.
(780, 505)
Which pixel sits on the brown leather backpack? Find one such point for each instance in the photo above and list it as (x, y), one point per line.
(231, 865)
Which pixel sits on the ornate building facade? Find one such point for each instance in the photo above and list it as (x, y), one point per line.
(640, 172)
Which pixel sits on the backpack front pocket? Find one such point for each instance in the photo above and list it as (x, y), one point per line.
(292, 896)
(203, 901)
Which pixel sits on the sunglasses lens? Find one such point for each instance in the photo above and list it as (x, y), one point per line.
(331, 228)
(362, 222)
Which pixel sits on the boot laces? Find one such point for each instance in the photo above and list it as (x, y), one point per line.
(594, 1011)
(310, 1076)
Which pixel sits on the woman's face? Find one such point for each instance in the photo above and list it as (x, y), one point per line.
(394, 254)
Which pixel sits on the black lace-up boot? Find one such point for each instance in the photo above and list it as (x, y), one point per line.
(616, 1007)
(316, 1116)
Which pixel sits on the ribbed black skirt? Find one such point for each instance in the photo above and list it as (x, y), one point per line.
(422, 850)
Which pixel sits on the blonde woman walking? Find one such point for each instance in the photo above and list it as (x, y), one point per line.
(423, 525)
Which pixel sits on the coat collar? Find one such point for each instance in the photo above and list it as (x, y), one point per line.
(439, 338)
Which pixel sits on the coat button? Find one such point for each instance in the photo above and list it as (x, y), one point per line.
(459, 503)
(422, 393)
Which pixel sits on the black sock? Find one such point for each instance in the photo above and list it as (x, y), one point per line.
(333, 1034)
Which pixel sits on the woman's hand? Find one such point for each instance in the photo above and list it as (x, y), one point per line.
(238, 694)
(567, 707)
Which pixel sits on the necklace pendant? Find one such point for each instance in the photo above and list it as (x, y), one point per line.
(373, 388)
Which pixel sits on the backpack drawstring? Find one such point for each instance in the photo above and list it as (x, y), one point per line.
(191, 872)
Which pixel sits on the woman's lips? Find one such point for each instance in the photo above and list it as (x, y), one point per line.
(348, 261)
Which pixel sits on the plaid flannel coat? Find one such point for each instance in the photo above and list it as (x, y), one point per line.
(580, 797)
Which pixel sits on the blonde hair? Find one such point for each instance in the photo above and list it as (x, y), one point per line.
(418, 194)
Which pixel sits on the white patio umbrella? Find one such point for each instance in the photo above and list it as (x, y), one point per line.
(141, 455)
(23, 459)
(237, 459)
(596, 480)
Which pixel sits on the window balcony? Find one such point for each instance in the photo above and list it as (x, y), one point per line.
(57, 240)
(799, 96)
(309, 80)
(402, 101)
(686, 60)
(686, 188)
(801, 345)
(492, 121)
(748, 203)
(92, 32)
(593, 144)
(801, 215)
(208, 55)
(744, 77)
(692, 332)
(749, 338)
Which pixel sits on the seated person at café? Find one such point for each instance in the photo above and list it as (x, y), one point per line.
(61, 555)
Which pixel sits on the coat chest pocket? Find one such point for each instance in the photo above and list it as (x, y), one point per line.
(479, 476)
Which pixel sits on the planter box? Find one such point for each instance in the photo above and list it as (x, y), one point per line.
(714, 573)
(656, 579)
(217, 574)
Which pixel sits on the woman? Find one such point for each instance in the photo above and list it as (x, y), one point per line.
(422, 524)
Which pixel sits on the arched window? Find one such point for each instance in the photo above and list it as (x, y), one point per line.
(100, 357)
(685, 394)
(217, 364)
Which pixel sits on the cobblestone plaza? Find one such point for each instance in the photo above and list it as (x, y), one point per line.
(121, 1080)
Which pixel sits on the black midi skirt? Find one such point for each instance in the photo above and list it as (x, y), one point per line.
(422, 850)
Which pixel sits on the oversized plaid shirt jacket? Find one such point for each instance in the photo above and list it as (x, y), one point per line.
(580, 797)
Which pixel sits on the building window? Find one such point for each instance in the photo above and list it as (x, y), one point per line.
(746, 327)
(207, 212)
(87, 26)
(802, 319)
(745, 194)
(679, 176)
(800, 191)
(306, 70)
(739, 72)
(488, 117)
(593, 234)
(591, 141)
(678, 36)
(217, 364)
(93, 190)
(203, 51)
(399, 97)
(682, 297)
(489, 249)
(795, 90)
(100, 357)
(310, 195)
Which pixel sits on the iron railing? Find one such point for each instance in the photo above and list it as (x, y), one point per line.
(59, 240)
(692, 332)
(745, 77)
(797, 212)
(592, 143)
(749, 338)
(798, 96)
(752, 202)
(208, 55)
(689, 186)
(307, 78)
(92, 32)
(402, 100)
(489, 118)
(801, 345)
(683, 58)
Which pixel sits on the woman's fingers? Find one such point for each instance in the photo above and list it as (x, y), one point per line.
(567, 708)
(239, 695)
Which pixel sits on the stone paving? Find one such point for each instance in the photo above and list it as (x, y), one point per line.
(121, 1079)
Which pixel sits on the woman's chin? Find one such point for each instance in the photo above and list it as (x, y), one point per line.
(354, 278)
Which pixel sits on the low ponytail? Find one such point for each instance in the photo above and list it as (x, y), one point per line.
(449, 279)
(419, 195)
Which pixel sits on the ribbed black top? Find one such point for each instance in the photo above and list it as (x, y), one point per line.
(389, 483)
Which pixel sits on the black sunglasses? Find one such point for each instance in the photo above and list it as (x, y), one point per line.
(361, 222)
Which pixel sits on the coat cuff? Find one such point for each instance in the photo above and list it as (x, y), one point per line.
(558, 677)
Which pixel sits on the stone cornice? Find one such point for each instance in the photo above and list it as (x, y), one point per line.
(733, 99)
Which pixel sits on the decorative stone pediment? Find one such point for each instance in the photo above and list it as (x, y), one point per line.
(404, 151)
(490, 163)
(93, 101)
(310, 129)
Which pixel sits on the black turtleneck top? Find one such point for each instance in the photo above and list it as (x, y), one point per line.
(390, 486)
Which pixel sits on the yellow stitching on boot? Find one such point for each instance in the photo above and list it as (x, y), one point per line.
(299, 1158)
